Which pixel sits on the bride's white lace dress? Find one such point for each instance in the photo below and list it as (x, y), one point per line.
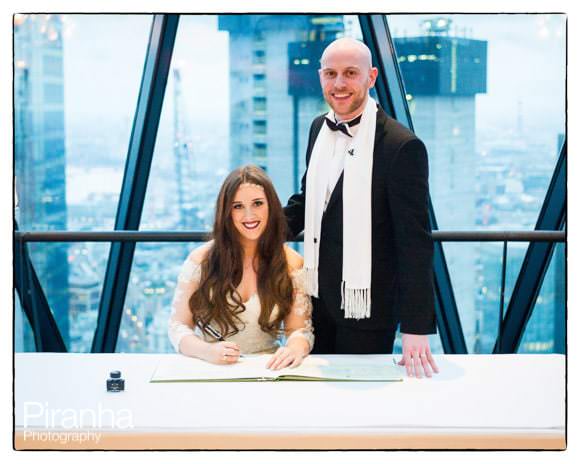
(250, 338)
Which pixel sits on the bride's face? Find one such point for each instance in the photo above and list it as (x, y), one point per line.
(250, 211)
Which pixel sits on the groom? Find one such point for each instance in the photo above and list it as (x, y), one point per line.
(363, 207)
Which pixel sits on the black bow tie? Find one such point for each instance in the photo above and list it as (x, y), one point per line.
(341, 126)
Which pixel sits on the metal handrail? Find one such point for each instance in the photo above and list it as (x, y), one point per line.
(22, 237)
(196, 236)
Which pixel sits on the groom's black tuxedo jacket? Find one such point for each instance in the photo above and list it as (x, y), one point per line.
(402, 248)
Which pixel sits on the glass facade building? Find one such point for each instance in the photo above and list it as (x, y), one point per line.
(40, 151)
(489, 169)
(244, 89)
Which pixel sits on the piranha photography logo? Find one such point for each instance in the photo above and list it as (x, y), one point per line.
(72, 426)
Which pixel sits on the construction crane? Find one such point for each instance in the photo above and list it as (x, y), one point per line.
(183, 157)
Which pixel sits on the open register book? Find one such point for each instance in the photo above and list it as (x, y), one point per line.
(252, 368)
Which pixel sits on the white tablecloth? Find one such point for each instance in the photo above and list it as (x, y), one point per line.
(471, 394)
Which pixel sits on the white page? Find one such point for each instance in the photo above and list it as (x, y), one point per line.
(183, 368)
(363, 369)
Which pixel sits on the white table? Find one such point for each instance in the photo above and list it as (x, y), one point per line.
(477, 401)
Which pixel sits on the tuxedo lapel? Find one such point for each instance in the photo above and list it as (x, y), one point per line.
(381, 123)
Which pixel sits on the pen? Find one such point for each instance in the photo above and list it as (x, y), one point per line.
(218, 336)
(214, 333)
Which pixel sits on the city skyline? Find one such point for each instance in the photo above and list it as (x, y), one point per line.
(91, 156)
(490, 122)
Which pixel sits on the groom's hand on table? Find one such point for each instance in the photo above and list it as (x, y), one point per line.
(417, 357)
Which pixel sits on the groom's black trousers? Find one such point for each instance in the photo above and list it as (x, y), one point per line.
(332, 338)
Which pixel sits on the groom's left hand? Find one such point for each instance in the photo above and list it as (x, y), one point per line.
(417, 357)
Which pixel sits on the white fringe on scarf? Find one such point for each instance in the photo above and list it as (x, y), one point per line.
(356, 302)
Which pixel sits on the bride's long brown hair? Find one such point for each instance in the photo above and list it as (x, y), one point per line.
(216, 300)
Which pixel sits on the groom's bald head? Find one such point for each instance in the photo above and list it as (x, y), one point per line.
(346, 75)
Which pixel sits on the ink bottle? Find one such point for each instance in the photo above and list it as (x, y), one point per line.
(115, 383)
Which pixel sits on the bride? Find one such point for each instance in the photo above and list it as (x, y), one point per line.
(244, 289)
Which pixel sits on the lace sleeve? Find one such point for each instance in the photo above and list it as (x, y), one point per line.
(180, 322)
(299, 322)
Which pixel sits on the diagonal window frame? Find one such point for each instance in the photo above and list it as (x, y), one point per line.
(136, 175)
(552, 216)
(391, 93)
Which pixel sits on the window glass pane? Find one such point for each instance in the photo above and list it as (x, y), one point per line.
(491, 116)
(76, 80)
(72, 282)
(87, 264)
(149, 295)
(546, 329)
(248, 95)
(73, 115)
(480, 319)
(486, 95)
(50, 261)
(479, 313)
(23, 336)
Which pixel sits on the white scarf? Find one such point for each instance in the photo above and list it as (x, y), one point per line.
(357, 219)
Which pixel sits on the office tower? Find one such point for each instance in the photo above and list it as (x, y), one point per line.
(39, 140)
(442, 76)
(188, 200)
(85, 291)
(274, 89)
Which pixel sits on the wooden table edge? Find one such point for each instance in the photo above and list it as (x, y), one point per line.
(165, 440)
